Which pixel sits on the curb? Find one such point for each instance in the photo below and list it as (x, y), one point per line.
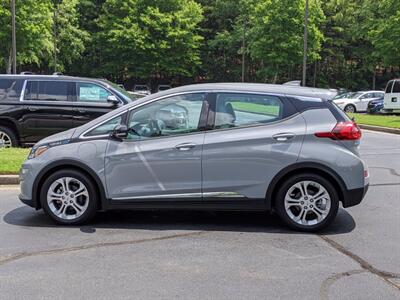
(9, 179)
(380, 129)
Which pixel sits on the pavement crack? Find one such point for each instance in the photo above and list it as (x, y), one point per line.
(386, 276)
(14, 257)
(384, 184)
(328, 282)
(391, 170)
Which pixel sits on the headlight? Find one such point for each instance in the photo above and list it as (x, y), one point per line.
(35, 152)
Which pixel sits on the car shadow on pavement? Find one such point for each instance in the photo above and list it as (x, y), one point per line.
(178, 220)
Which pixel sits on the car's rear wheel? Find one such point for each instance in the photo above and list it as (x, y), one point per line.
(307, 202)
(350, 108)
(69, 197)
(7, 138)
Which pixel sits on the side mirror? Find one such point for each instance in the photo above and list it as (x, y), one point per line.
(113, 100)
(120, 132)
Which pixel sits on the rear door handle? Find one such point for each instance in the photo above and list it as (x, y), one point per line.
(185, 146)
(282, 137)
(394, 99)
(82, 111)
(31, 108)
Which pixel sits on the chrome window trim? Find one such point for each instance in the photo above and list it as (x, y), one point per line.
(82, 135)
(21, 98)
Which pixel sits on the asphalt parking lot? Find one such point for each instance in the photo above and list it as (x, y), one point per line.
(210, 255)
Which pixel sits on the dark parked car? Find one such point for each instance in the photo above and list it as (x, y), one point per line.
(375, 106)
(33, 107)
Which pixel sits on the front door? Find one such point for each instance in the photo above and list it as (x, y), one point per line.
(161, 158)
(91, 102)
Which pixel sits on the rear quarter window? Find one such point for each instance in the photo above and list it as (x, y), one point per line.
(10, 88)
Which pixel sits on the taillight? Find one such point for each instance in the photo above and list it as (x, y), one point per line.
(342, 131)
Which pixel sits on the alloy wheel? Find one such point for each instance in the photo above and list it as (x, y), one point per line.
(5, 140)
(68, 198)
(307, 203)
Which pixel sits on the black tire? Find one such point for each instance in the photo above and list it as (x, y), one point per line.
(93, 201)
(350, 108)
(280, 202)
(10, 133)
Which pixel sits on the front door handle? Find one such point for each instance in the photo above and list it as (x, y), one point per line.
(32, 108)
(82, 111)
(394, 99)
(185, 146)
(283, 137)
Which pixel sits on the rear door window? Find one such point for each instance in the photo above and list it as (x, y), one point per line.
(10, 88)
(236, 109)
(47, 90)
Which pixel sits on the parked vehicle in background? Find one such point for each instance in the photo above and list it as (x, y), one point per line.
(358, 101)
(375, 106)
(392, 96)
(142, 89)
(163, 87)
(342, 95)
(221, 146)
(135, 95)
(35, 106)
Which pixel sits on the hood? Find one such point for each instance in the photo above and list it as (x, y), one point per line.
(65, 135)
(376, 101)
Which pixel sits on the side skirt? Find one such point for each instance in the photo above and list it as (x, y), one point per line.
(190, 204)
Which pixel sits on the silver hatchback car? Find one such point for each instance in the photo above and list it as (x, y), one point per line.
(220, 146)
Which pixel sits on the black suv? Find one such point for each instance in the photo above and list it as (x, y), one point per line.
(35, 106)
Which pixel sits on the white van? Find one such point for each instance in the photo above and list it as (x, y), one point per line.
(392, 95)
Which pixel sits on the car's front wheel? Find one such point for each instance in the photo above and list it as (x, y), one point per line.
(69, 197)
(307, 202)
(350, 108)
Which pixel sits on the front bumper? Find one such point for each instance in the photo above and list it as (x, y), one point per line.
(28, 202)
(354, 196)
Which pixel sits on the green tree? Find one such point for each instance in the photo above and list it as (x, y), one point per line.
(68, 38)
(33, 30)
(276, 38)
(144, 38)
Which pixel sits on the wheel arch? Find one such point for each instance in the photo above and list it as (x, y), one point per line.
(11, 125)
(304, 167)
(68, 164)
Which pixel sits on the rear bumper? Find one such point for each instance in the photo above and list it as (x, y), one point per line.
(355, 196)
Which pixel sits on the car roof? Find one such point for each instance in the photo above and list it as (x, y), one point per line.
(278, 89)
(370, 91)
(50, 77)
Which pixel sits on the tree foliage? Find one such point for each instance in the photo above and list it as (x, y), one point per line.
(352, 43)
(150, 37)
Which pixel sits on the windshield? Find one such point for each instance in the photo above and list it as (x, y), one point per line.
(354, 95)
(344, 95)
(120, 90)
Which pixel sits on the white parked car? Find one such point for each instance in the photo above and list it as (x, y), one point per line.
(142, 89)
(358, 101)
(392, 95)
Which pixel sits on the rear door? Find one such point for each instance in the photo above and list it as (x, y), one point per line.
(254, 137)
(47, 108)
(91, 102)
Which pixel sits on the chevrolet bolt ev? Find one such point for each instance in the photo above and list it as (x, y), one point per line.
(246, 147)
